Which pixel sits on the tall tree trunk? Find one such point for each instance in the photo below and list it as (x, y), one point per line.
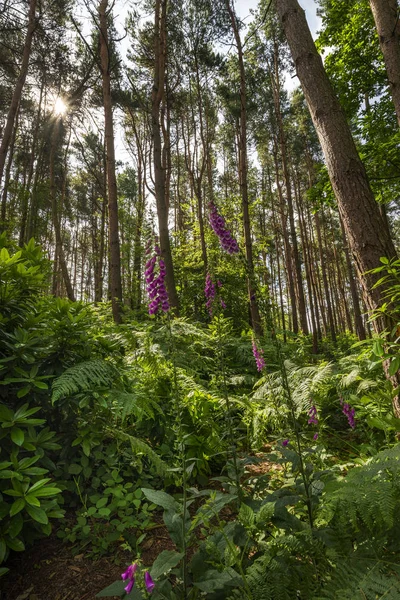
(243, 166)
(285, 171)
(59, 251)
(365, 231)
(114, 244)
(28, 195)
(8, 129)
(386, 16)
(3, 224)
(325, 278)
(360, 330)
(159, 173)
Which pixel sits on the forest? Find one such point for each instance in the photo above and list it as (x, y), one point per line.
(199, 299)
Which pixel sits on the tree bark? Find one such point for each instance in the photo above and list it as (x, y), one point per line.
(59, 256)
(365, 231)
(159, 172)
(114, 244)
(243, 166)
(8, 129)
(386, 18)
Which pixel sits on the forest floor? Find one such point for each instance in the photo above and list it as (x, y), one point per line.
(51, 571)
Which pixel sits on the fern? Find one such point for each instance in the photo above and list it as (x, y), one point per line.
(137, 403)
(358, 578)
(140, 447)
(370, 495)
(89, 375)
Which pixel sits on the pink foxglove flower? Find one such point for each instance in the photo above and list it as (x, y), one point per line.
(257, 353)
(155, 284)
(149, 583)
(312, 413)
(217, 222)
(129, 574)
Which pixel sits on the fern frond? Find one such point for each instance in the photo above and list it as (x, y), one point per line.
(88, 375)
(140, 447)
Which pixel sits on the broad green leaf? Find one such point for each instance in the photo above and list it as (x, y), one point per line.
(32, 500)
(17, 436)
(3, 549)
(17, 506)
(161, 499)
(165, 561)
(213, 580)
(47, 491)
(15, 525)
(15, 544)
(37, 514)
(117, 589)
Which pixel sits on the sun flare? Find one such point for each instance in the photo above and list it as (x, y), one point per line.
(60, 108)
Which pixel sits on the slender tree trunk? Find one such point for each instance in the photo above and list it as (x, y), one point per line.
(8, 129)
(114, 244)
(25, 205)
(243, 166)
(360, 330)
(288, 188)
(8, 175)
(159, 173)
(59, 251)
(386, 16)
(362, 221)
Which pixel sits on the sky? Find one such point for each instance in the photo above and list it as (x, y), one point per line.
(243, 9)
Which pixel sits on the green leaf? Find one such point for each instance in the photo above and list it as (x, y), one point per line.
(161, 499)
(17, 506)
(47, 491)
(165, 561)
(102, 502)
(115, 589)
(86, 447)
(37, 514)
(74, 469)
(41, 385)
(17, 436)
(16, 545)
(3, 571)
(32, 500)
(39, 484)
(213, 580)
(23, 391)
(15, 525)
(3, 549)
(394, 366)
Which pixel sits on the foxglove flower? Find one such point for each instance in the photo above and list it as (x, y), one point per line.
(285, 443)
(149, 583)
(155, 284)
(349, 412)
(257, 353)
(315, 437)
(312, 413)
(209, 292)
(217, 222)
(129, 574)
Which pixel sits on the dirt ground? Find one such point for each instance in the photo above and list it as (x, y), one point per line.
(49, 571)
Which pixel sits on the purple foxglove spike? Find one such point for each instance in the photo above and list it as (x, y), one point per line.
(149, 583)
(128, 588)
(129, 573)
